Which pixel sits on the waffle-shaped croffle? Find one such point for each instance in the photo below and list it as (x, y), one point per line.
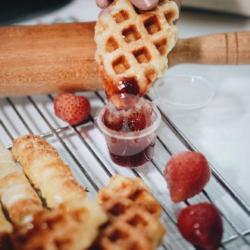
(134, 216)
(61, 229)
(132, 46)
(73, 222)
(47, 172)
(133, 190)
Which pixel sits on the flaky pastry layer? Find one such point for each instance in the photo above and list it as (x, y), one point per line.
(16, 194)
(47, 172)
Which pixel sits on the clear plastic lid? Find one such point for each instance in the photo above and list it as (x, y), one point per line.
(183, 92)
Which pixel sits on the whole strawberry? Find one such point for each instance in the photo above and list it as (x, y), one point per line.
(201, 225)
(186, 174)
(71, 108)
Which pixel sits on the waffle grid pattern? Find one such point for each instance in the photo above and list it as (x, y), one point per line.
(136, 44)
(134, 216)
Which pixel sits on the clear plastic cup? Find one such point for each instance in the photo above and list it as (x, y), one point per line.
(182, 92)
(132, 148)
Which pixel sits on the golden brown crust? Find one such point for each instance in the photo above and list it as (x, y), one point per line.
(5, 226)
(16, 194)
(132, 189)
(47, 171)
(72, 225)
(24, 211)
(61, 229)
(134, 216)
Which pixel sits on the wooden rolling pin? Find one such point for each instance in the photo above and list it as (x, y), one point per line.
(60, 57)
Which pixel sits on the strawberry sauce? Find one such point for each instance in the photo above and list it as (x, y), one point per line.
(133, 160)
(128, 86)
(130, 133)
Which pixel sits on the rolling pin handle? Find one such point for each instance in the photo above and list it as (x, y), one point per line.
(225, 48)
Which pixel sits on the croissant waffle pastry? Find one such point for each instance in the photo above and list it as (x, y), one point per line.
(134, 216)
(61, 229)
(42, 164)
(57, 229)
(71, 224)
(132, 45)
(132, 189)
(128, 218)
(16, 194)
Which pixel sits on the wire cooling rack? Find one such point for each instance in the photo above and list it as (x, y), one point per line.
(83, 148)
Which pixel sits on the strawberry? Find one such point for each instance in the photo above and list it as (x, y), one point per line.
(201, 225)
(71, 108)
(136, 121)
(186, 174)
(112, 120)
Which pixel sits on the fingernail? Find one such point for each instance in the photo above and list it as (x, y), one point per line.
(145, 4)
(102, 3)
(104, 11)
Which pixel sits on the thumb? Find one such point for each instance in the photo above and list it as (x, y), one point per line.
(103, 3)
(145, 4)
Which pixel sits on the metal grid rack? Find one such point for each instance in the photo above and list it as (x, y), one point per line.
(83, 148)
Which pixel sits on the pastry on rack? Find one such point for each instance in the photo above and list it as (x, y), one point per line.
(128, 216)
(132, 45)
(16, 194)
(133, 190)
(61, 229)
(134, 216)
(74, 220)
(47, 172)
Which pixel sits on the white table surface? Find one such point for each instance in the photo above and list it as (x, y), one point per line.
(220, 130)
